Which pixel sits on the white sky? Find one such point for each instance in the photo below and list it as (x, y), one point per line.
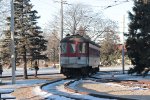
(47, 8)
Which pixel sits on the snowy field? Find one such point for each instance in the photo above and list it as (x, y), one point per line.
(19, 71)
(54, 96)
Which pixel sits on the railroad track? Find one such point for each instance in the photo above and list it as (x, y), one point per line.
(71, 92)
(54, 91)
(92, 94)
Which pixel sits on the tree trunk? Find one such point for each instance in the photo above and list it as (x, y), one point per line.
(25, 63)
(35, 73)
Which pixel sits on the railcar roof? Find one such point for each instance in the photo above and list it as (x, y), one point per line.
(77, 38)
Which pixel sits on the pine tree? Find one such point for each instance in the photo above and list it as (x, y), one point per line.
(138, 42)
(37, 41)
(22, 27)
(28, 36)
(32, 43)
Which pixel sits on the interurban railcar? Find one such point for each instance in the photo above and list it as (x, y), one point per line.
(79, 56)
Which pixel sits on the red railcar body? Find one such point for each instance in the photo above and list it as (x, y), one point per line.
(79, 56)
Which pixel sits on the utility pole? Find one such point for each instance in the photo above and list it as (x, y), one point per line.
(123, 44)
(61, 24)
(61, 29)
(13, 65)
(74, 26)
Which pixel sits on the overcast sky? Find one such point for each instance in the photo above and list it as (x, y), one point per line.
(47, 8)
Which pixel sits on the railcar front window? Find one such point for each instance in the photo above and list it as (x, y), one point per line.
(64, 48)
(72, 48)
(81, 47)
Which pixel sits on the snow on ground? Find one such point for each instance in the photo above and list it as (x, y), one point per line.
(57, 92)
(19, 71)
(115, 68)
(19, 83)
(119, 75)
(61, 90)
(23, 83)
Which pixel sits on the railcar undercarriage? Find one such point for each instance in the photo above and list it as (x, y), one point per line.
(79, 72)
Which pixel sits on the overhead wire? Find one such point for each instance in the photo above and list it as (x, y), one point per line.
(116, 2)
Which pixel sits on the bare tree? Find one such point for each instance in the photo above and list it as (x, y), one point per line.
(53, 47)
(75, 16)
(80, 19)
(4, 11)
(109, 50)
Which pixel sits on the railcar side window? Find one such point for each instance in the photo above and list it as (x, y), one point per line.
(81, 47)
(72, 48)
(64, 48)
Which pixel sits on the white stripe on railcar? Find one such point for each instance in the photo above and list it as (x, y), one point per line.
(74, 60)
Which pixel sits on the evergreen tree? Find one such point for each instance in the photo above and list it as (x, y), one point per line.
(37, 41)
(28, 36)
(138, 42)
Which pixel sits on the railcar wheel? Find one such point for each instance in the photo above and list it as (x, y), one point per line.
(68, 76)
(84, 72)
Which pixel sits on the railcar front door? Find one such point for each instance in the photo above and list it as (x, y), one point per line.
(82, 54)
(72, 54)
